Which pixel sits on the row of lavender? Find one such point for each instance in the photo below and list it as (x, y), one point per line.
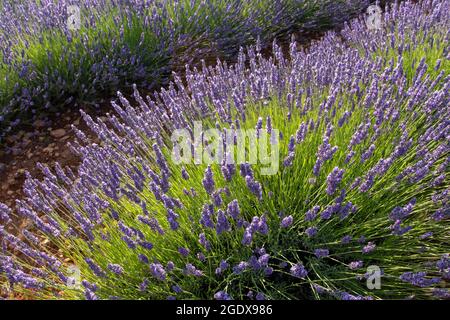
(363, 182)
(48, 64)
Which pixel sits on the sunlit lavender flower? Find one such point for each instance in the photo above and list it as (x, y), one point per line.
(233, 209)
(95, 268)
(333, 180)
(311, 214)
(222, 222)
(183, 251)
(208, 181)
(116, 268)
(287, 221)
(205, 243)
(157, 271)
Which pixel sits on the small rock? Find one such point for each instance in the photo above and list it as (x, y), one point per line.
(58, 133)
(9, 192)
(77, 122)
(39, 123)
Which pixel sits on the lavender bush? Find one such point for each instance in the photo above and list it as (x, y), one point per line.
(47, 66)
(363, 120)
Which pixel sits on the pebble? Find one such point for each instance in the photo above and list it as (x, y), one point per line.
(58, 133)
(39, 124)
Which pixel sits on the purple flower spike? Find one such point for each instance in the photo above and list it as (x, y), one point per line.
(116, 268)
(333, 180)
(287, 222)
(369, 247)
(298, 271)
(208, 181)
(222, 295)
(321, 253)
(157, 271)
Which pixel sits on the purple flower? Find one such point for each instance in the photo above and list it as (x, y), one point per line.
(346, 239)
(369, 247)
(90, 295)
(311, 231)
(254, 186)
(321, 253)
(146, 245)
(333, 180)
(190, 269)
(233, 209)
(157, 271)
(222, 267)
(426, 235)
(172, 219)
(183, 251)
(116, 268)
(143, 286)
(207, 212)
(260, 296)
(95, 268)
(217, 199)
(205, 243)
(444, 263)
(130, 242)
(222, 222)
(311, 214)
(201, 257)
(355, 265)
(5, 212)
(287, 221)
(419, 279)
(208, 181)
(400, 213)
(298, 271)
(184, 174)
(240, 267)
(143, 258)
(398, 230)
(222, 295)
(441, 293)
(170, 266)
(177, 289)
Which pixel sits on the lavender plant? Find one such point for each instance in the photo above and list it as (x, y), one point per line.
(47, 65)
(362, 180)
